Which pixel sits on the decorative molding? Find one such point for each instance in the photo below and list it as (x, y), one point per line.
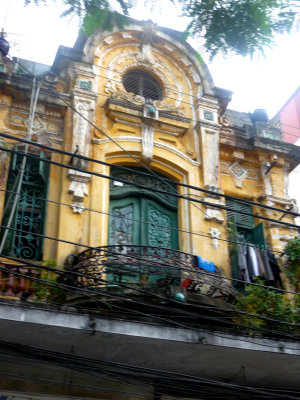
(45, 127)
(225, 170)
(147, 141)
(128, 60)
(266, 180)
(155, 144)
(210, 155)
(213, 213)
(163, 106)
(131, 97)
(238, 173)
(284, 202)
(215, 233)
(145, 55)
(80, 145)
(78, 189)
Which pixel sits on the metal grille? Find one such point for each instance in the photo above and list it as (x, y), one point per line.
(29, 215)
(143, 84)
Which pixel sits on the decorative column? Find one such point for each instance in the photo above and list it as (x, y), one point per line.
(209, 139)
(150, 114)
(84, 103)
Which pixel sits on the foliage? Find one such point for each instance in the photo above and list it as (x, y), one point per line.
(268, 303)
(240, 26)
(96, 13)
(292, 252)
(105, 18)
(48, 291)
(4, 143)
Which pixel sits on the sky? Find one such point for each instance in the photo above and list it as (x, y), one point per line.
(263, 82)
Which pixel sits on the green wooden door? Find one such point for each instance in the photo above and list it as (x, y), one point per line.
(124, 223)
(160, 227)
(141, 220)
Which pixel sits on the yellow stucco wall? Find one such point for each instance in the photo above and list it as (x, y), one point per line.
(181, 149)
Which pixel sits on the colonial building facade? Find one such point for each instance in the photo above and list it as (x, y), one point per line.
(140, 98)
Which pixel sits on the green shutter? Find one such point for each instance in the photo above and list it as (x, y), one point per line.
(258, 235)
(233, 236)
(43, 167)
(243, 220)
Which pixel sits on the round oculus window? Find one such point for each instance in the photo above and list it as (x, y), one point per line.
(142, 84)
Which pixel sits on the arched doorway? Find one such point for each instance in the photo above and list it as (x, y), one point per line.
(141, 218)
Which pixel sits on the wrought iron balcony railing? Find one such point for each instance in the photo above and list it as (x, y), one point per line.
(150, 267)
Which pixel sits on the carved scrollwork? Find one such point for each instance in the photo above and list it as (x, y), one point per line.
(163, 106)
(133, 98)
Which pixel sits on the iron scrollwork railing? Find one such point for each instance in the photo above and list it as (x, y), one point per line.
(147, 266)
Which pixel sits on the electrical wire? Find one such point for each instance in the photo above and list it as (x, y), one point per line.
(133, 300)
(172, 98)
(146, 167)
(192, 200)
(141, 173)
(91, 294)
(179, 196)
(141, 259)
(127, 152)
(140, 221)
(137, 371)
(151, 293)
(169, 97)
(33, 103)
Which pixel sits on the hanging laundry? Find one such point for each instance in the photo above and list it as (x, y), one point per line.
(269, 273)
(261, 265)
(242, 263)
(253, 261)
(275, 268)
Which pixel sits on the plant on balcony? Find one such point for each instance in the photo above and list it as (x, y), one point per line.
(292, 265)
(46, 289)
(269, 303)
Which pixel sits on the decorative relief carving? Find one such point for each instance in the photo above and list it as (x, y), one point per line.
(162, 105)
(80, 145)
(145, 55)
(210, 153)
(238, 173)
(147, 141)
(215, 233)
(43, 125)
(78, 189)
(266, 180)
(212, 213)
(132, 98)
(226, 125)
(146, 60)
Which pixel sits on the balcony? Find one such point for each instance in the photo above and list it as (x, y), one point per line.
(128, 268)
(16, 282)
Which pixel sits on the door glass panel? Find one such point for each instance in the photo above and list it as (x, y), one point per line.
(159, 228)
(121, 231)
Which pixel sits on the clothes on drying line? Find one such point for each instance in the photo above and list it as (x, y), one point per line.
(254, 262)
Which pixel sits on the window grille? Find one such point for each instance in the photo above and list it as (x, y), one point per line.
(29, 216)
(143, 84)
